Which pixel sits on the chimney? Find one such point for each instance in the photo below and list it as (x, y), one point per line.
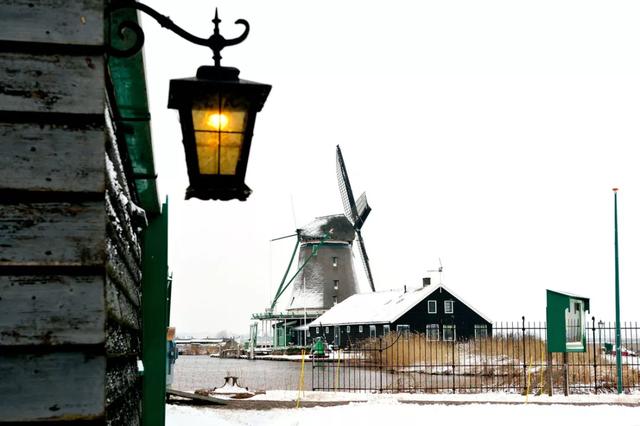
(405, 288)
(426, 281)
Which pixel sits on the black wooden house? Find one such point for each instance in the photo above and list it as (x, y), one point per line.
(433, 310)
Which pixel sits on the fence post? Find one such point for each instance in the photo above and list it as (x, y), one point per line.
(550, 373)
(524, 359)
(565, 372)
(595, 358)
(453, 363)
(380, 363)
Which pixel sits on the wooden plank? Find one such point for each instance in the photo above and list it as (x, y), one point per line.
(52, 234)
(48, 157)
(122, 375)
(122, 340)
(118, 208)
(127, 410)
(52, 83)
(53, 21)
(121, 272)
(120, 308)
(69, 385)
(52, 310)
(196, 397)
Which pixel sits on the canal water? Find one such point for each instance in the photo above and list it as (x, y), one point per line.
(201, 371)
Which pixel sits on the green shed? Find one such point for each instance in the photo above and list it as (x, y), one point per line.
(566, 322)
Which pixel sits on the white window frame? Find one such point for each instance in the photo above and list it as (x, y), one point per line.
(348, 329)
(430, 332)
(326, 330)
(446, 328)
(480, 327)
(317, 330)
(360, 329)
(430, 304)
(335, 262)
(403, 329)
(336, 283)
(448, 306)
(386, 329)
(372, 331)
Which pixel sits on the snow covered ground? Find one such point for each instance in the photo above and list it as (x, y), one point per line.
(491, 409)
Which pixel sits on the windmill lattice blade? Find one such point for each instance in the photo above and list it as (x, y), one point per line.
(365, 260)
(346, 193)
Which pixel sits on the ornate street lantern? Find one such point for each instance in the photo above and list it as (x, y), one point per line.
(217, 115)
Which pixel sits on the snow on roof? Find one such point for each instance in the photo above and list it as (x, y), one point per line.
(371, 308)
(381, 307)
(336, 227)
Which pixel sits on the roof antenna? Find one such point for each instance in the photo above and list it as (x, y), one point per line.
(439, 270)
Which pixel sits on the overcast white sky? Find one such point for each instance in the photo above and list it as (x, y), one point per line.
(486, 133)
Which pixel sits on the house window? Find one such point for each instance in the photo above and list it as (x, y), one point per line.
(386, 329)
(335, 262)
(448, 306)
(372, 331)
(335, 300)
(335, 284)
(326, 330)
(433, 332)
(308, 333)
(480, 331)
(402, 329)
(449, 333)
(348, 329)
(360, 329)
(432, 307)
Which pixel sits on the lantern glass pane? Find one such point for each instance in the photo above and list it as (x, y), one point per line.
(219, 124)
(218, 152)
(219, 114)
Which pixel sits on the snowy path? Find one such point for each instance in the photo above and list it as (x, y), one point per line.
(389, 411)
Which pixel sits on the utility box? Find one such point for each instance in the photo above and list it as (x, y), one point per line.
(566, 322)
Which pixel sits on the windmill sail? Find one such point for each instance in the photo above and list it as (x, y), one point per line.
(355, 211)
(350, 209)
(362, 208)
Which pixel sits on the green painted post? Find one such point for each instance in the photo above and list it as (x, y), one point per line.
(154, 318)
(618, 354)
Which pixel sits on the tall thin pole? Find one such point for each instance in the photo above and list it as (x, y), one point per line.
(618, 348)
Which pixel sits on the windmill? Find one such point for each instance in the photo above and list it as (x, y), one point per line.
(355, 211)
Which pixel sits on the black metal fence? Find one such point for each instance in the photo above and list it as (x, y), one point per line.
(513, 359)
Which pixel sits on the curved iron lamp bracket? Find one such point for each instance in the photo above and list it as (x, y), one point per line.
(216, 42)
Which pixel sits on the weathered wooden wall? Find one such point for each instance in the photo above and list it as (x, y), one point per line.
(122, 286)
(70, 324)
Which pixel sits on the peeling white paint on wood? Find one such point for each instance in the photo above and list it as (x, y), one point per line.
(52, 234)
(48, 157)
(53, 21)
(52, 83)
(67, 385)
(51, 310)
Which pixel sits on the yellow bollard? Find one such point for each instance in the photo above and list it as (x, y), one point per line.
(300, 381)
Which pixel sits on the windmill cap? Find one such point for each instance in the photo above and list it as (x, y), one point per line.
(334, 228)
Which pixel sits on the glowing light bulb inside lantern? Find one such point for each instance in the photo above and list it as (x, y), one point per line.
(218, 121)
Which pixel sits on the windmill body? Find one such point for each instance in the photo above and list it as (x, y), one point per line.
(328, 277)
